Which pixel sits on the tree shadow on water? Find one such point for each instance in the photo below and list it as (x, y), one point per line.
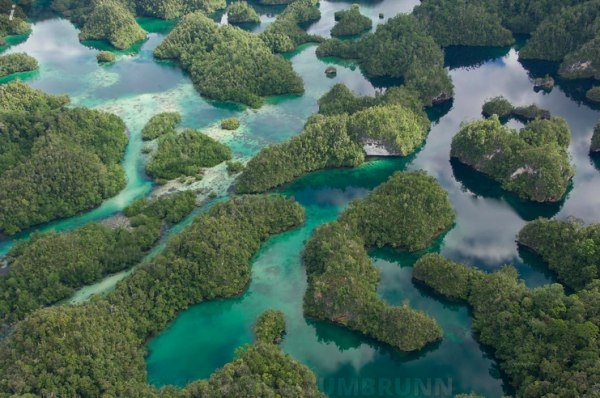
(482, 185)
(346, 339)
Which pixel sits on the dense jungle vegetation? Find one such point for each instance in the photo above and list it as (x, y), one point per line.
(185, 153)
(114, 20)
(111, 21)
(16, 62)
(350, 22)
(400, 48)
(227, 63)
(50, 267)
(97, 348)
(462, 22)
(19, 24)
(161, 124)
(342, 280)
(571, 35)
(501, 107)
(324, 143)
(545, 341)
(395, 119)
(533, 163)
(568, 247)
(241, 12)
(261, 369)
(286, 33)
(63, 160)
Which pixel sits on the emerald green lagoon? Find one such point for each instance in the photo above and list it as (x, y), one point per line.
(205, 337)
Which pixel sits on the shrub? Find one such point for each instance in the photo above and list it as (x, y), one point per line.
(232, 123)
(105, 56)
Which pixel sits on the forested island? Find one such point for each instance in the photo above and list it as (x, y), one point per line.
(16, 62)
(532, 163)
(568, 247)
(349, 128)
(227, 63)
(400, 48)
(57, 160)
(97, 348)
(81, 257)
(350, 22)
(185, 153)
(501, 107)
(241, 12)
(545, 341)
(342, 279)
(63, 160)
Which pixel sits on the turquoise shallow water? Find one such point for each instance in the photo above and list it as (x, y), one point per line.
(205, 336)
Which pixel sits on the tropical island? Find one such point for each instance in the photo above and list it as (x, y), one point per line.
(217, 249)
(557, 333)
(185, 153)
(342, 280)
(532, 163)
(501, 107)
(161, 124)
(241, 12)
(350, 22)
(63, 160)
(568, 247)
(57, 160)
(227, 63)
(83, 256)
(393, 124)
(401, 48)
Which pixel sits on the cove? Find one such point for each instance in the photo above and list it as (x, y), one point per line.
(205, 337)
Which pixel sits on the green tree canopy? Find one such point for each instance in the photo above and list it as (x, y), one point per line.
(110, 20)
(62, 160)
(16, 62)
(185, 154)
(227, 63)
(408, 211)
(533, 164)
